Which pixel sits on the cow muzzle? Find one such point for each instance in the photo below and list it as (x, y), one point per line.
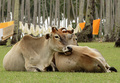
(67, 50)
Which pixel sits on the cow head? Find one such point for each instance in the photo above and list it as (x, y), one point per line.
(70, 36)
(57, 40)
(71, 39)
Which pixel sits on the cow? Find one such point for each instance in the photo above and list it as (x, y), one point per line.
(117, 43)
(34, 54)
(72, 61)
(82, 59)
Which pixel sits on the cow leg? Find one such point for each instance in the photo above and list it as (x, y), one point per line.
(31, 68)
(53, 66)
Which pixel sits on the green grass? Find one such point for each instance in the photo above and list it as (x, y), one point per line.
(110, 53)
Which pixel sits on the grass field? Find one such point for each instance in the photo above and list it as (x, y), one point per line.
(110, 53)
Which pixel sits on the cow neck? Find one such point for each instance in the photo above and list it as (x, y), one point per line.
(47, 53)
(48, 50)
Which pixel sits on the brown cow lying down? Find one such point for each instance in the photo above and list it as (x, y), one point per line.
(73, 61)
(34, 54)
(82, 59)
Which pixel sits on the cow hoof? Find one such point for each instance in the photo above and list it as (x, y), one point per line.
(38, 70)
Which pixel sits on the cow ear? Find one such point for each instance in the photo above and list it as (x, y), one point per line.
(54, 29)
(63, 29)
(47, 36)
(72, 30)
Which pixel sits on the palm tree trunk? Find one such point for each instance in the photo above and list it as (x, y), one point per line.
(107, 28)
(87, 8)
(64, 14)
(51, 12)
(43, 10)
(3, 4)
(13, 4)
(16, 22)
(113, 8)
(111, 15)
(96, 11)
(0, 11)
(8, 10)
(56, 13)
(100, 31)
(22, 11)
(76, 12)
(73, 10)
(103, 17)
(116, 12)
(28, 11)
(117, 22)
(68, 12)
(46, 11)
(81, 8)
(39, 11)
(86, 34)
(35, 13)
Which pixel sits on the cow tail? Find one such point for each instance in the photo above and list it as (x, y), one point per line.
(112, 69)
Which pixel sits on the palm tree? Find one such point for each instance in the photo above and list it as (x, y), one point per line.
(68, 12)
(101, 17)
(58, 9)
(28, 10)
(86, 34)
(117, 21)
(76, 11)
(81, 8)
(35, 13)
(51, 12)
(96, 10)
(39, 11)
(0, 10)
(56, 13)
(107, 28)
(13, 4)
(22, 11)
(64, 7)
(73, 10)
(46, 12)
(8, 10)
(3, 4)
(43, 11)
(16, 22)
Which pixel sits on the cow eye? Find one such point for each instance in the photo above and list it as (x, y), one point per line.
(75, 39)
(56, 36)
